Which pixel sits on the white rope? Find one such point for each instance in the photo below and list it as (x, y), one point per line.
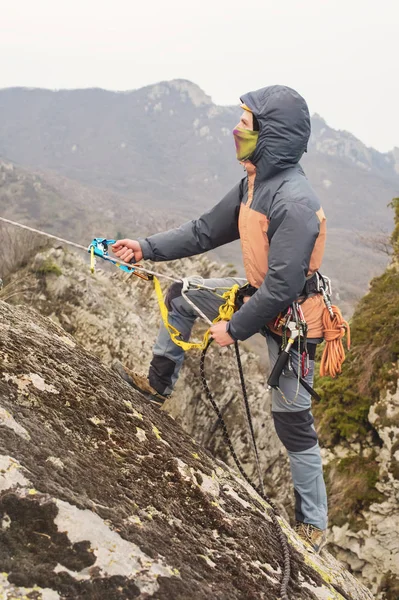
(108, 258)
(184, 290)
(49, 235)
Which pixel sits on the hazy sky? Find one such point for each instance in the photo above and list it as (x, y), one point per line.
(342, 55)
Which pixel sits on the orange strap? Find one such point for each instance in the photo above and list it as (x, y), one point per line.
(334, 354)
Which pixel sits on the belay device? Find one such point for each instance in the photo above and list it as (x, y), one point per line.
(99, 247)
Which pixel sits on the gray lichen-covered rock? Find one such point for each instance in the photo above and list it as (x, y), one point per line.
(103, 496)
(117, 316)
(372, 552)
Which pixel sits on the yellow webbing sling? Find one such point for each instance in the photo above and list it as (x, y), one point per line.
(226, 311)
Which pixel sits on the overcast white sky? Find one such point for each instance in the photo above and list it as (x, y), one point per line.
(342, 55)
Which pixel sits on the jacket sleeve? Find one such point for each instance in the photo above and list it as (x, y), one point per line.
(293, 231)
(216, 227)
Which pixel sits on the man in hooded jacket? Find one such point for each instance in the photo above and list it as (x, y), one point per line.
(281, 225)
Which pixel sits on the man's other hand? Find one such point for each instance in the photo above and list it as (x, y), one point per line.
(220, 335)
(127, 250)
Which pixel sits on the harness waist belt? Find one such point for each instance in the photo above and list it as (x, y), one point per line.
(311, 287)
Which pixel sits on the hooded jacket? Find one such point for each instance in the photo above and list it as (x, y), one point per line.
(273, 210)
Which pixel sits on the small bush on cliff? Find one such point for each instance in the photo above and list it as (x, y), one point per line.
(351, 486)
(48, 268)
(18, 248)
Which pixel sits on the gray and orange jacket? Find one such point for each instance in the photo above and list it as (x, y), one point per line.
(275, 213)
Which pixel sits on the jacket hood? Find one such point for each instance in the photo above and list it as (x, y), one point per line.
(284, 128)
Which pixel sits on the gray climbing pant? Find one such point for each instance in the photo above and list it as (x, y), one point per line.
(291, 406)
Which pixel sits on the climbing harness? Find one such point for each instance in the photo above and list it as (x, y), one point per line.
(294, 328)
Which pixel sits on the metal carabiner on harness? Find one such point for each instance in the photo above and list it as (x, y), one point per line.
(325, 289)
(282, 360)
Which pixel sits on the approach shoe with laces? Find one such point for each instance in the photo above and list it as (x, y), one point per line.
(139, 383)
(312, 535)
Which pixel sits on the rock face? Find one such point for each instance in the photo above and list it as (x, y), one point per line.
(104, 497)
(371, 549)
(115, 316)
(344, 145)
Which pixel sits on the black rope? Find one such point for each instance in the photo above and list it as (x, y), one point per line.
(274, 512)
(248, 413)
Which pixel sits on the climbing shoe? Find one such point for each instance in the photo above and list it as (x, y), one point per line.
(312, 535)
(139, 383)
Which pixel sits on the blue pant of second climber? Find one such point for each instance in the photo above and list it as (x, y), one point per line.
(291, 413)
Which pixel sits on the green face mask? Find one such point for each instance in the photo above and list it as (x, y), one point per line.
(245, 141)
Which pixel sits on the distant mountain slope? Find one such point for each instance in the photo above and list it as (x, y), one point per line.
(170, 141)
(155, 140)
(171, 149)
(64, 207)
(354, 182)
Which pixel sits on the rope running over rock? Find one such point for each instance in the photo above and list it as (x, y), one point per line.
(274, 512)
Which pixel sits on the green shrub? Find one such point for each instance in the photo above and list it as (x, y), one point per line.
(371, 364)
(351, 488)
(48, 268)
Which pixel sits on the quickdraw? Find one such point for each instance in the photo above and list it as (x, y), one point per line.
(294, 329)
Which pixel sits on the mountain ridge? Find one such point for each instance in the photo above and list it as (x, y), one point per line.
(169, 149)
(197, 95)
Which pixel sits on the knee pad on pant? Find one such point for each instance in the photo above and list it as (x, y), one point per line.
(295, 429)
(174, 291)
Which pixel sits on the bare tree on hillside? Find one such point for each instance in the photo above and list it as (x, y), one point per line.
(379, 242)
(17, 248)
